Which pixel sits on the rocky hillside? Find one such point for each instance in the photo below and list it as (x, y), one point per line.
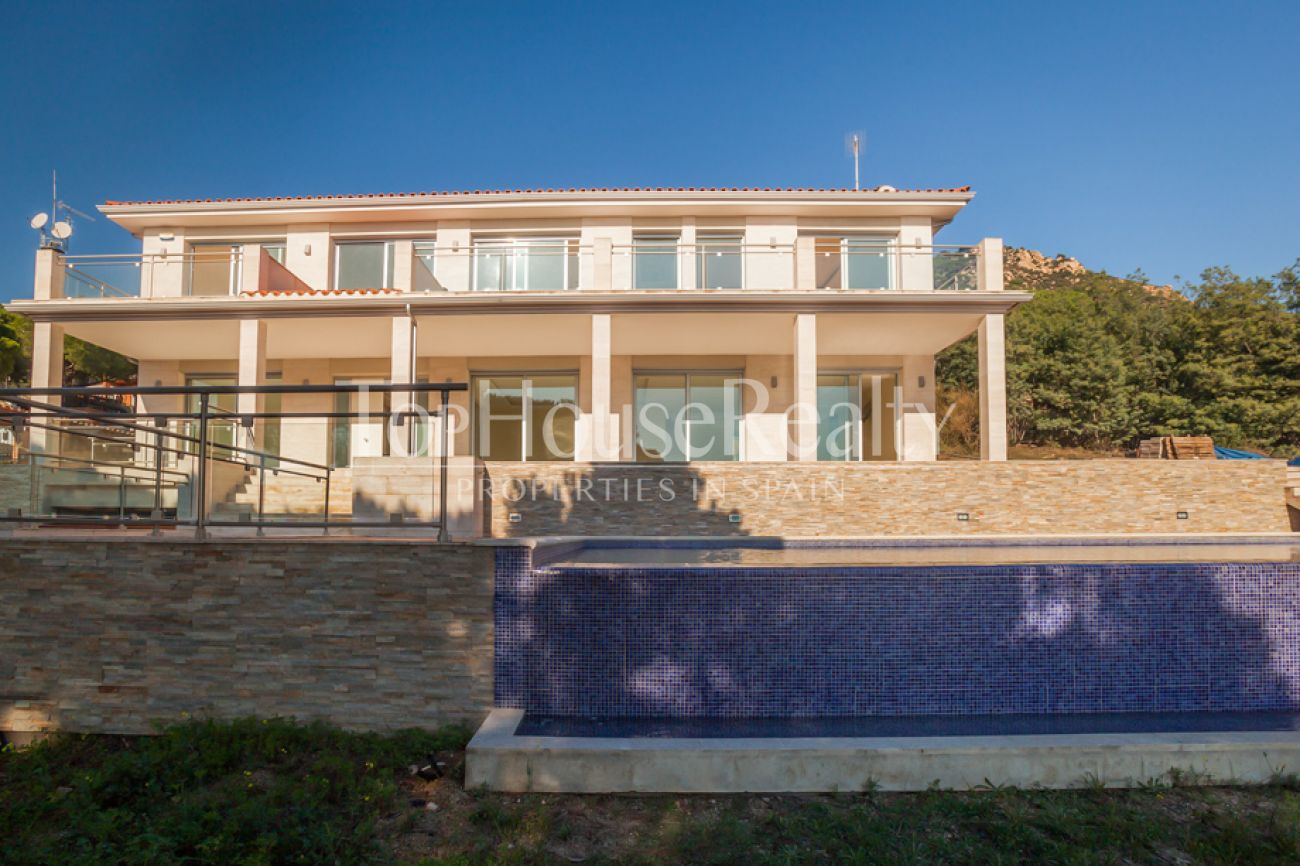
(1030, 270)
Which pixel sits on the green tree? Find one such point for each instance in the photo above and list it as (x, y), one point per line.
(12, 357)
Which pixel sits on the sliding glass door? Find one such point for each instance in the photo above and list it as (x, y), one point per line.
(521, 417)
(858, 416)
(687, 416)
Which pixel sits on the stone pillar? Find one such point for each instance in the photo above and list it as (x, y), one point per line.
(252, 371)
(993, 387)
(805, 262)
(687, 261)
(602, 265)
(47, 372)
(805, 387)
(49, 274)
(916, 255)
(988, 273)
(403, 277)
(604, 441)
(252, 278)
(403, 370)
(920, 434)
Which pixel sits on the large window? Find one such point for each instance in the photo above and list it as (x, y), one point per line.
(363, 265)
(525, 264)
(720, 262)
(215, 269)
(687, 416)
(857, 416)
(654, 262)
(854, 262)
(525, 416)
(222, 425)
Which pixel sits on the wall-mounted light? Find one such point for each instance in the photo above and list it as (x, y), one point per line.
(733, 517)
(774, 381)
(963, 516)
(166, 236)
(920, 381)
(306, 249)
(516, 517)
(1181, 515)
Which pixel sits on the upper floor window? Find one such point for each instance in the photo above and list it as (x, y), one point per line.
(719, 262)
(363, 265)
(525, 264)
(275, 250)
(854, 262)
(215, 269)
(654, 262)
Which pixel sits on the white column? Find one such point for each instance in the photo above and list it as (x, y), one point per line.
(452, 257)
(805, 259)
(403, 371)
(604, 441)
(916, 256)
(252, 277)
(403, 262)
(805, 387)
(49, 275)
(920, 435)
(993, 388)
(252, 371)
(47, 372)
(602, 265)
(988, 273)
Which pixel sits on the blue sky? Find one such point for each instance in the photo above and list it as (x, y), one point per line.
(1161, 136)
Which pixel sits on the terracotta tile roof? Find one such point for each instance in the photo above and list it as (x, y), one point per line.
(270, 293)
(505, 192)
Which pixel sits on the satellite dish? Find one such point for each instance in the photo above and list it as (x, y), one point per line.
(886, 188)
(62, 230)
(39, 221)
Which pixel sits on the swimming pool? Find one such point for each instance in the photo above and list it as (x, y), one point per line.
(849, 629)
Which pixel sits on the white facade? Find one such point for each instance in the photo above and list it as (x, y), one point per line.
(774, 311)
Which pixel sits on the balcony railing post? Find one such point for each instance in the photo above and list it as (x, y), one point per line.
(261, 493)
(201, 486)
(329, 471)
(443, 534)
(158, 424)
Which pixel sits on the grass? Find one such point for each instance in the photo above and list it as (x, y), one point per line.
(273, 792)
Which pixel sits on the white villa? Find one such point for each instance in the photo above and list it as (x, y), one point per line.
(598, 325)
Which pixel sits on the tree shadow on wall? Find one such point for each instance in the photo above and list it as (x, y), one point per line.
(798, 642)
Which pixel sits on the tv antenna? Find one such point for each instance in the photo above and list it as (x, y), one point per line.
(57, 234)
(854, 143)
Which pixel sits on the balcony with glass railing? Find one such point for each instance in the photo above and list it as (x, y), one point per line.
(651, 263)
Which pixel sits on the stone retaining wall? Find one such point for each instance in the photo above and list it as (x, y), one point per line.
(818, 499)
(113, 636)
(15, 487)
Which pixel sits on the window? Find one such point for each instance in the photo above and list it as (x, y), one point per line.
(215, 269)
(525, 264)
(854, 262)
(276, 251)
(719, 262)
(425, 275)
(687, 416)
(527, 416)
(857, 416)
(654, 262)
(363, 265)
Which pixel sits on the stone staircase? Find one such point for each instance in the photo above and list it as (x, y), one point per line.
(287, 496)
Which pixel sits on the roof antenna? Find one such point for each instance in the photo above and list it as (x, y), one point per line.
(853, 144)
(61, 212)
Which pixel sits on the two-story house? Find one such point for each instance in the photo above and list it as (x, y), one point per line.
(629, 325)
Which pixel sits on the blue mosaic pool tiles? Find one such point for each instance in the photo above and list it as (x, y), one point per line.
(736, 641)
